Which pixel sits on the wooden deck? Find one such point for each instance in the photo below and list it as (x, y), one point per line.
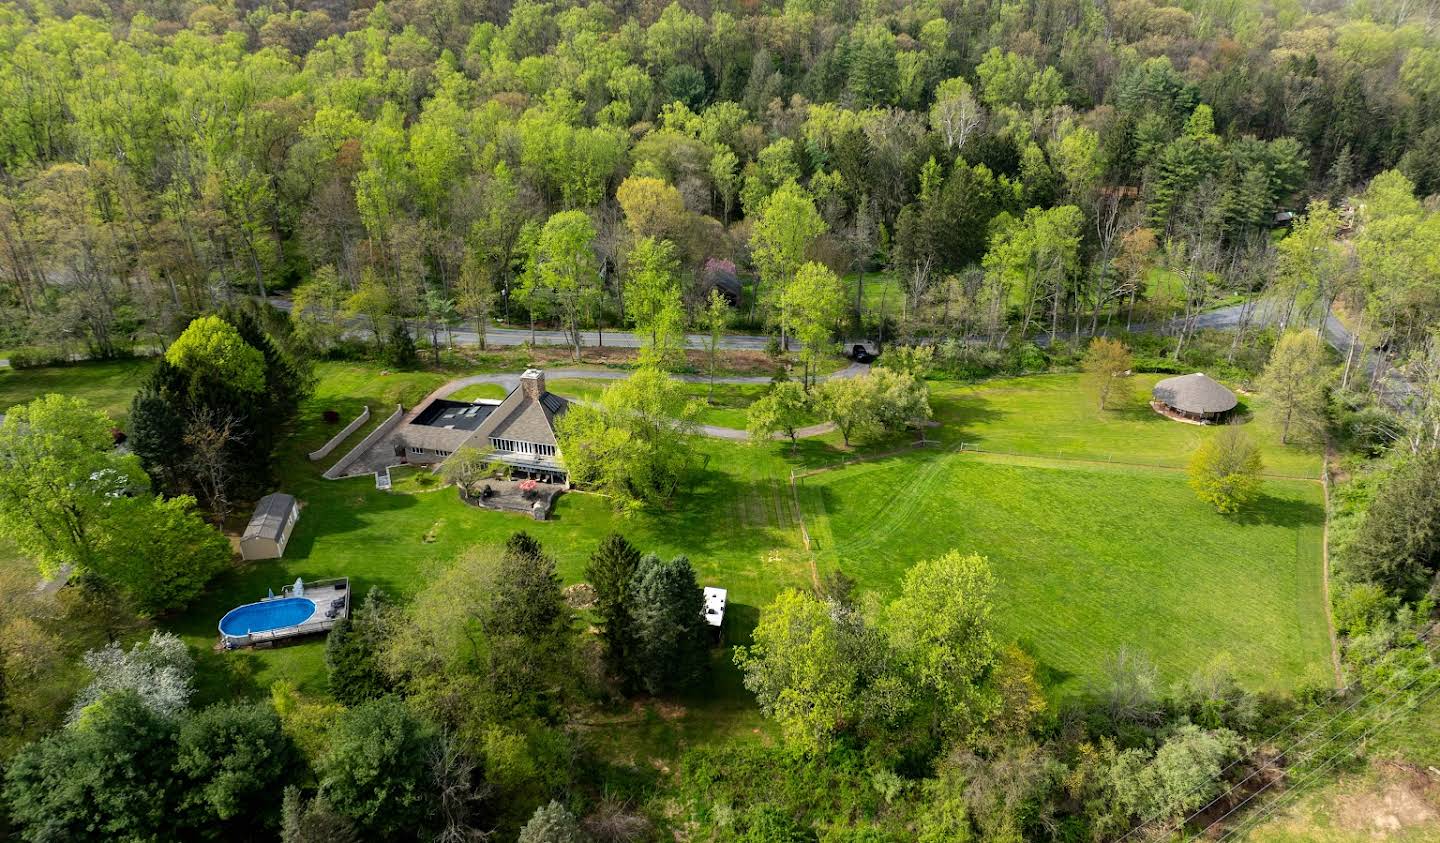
(325, 594)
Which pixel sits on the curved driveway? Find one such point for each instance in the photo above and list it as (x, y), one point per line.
(511, 381)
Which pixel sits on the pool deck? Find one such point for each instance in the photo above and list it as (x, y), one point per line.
(323, 593)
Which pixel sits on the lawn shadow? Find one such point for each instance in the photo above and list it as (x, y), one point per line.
(740, 623)
(1272, 511)
(960, 415)
(310, 430)
(222, 674)
(1046, 673)
(332, 514)
(723, 512)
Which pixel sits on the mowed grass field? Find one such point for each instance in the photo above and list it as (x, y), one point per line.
(726, 405)
(1054, 416)
(109, 385)
(1090, 559)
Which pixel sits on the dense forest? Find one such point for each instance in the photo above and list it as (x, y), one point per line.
(400, 160)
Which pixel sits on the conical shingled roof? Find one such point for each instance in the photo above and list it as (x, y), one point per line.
(1197, 394)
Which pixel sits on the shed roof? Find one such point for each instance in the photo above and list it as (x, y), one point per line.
(1195, 393)
(272, 515)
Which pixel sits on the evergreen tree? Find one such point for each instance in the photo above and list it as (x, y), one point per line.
(156, 432)
(610, 570)
(352, 652)
(400, 350)
(226, 380)
(668, 607)
(527, 623)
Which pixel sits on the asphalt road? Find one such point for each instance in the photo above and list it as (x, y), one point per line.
(495, 335)
(1391, 386)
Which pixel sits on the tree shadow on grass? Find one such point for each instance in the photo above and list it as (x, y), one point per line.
(725, 515)
(221, 674)
(1269, 510)
(339, 507)
(1046, 673)
(740, 623)
(960, 415)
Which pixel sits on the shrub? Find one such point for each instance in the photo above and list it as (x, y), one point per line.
(32, 357)
(1225, 470)
(158, 672)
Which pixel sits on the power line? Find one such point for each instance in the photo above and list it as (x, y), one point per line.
(1314, 774)
(1288, 751)
(1307, 736)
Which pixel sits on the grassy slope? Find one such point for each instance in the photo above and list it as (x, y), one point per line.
(1152, 564)
(736, 524)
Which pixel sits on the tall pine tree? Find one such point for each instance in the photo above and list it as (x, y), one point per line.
(611, 568)
(667, 605)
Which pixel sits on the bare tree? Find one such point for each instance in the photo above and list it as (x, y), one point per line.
(1110, 221)
(455, 777)
(209, 435)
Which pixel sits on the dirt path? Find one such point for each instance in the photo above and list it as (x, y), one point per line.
(1325, 571)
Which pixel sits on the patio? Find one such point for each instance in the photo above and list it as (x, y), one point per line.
(530, 497)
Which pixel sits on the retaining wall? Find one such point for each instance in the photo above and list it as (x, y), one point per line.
(324, 450)
(338, 469)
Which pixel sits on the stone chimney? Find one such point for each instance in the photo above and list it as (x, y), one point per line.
(533, 383)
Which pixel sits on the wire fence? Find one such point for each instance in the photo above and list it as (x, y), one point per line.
(1091, 458)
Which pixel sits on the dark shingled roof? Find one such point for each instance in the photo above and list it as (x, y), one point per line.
(272, 513)
(1196, 394)
(532, 421)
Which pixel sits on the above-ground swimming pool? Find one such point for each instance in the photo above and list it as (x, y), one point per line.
(264, 617)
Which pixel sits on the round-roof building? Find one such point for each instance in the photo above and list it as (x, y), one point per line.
(1195, 397)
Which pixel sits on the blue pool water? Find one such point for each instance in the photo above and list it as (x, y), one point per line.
(262, 617)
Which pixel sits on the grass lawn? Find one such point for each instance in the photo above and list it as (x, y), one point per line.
(1093, 558)
(479, 391)
(109, 384)
(736, 525)
(1089, 556)
(1052, 416)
